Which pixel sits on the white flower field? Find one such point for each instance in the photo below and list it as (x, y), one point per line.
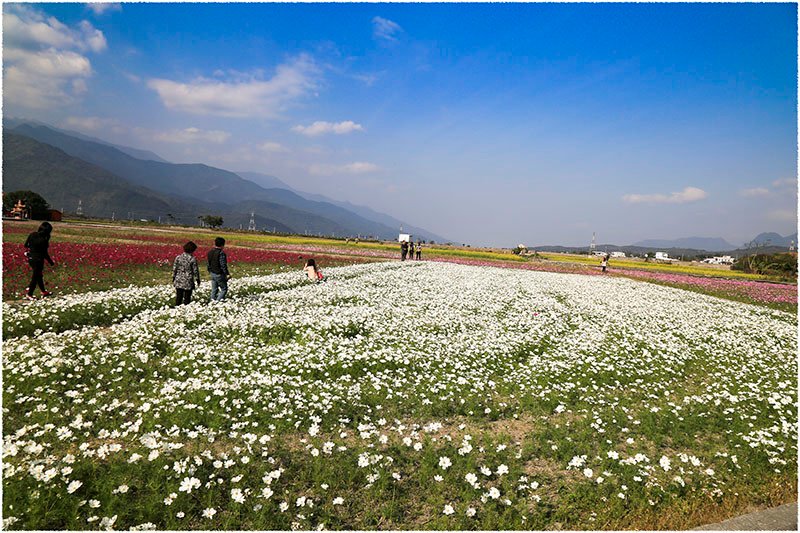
(396, 396)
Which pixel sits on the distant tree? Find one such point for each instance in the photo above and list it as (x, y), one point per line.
(214, 221)
(37, 206)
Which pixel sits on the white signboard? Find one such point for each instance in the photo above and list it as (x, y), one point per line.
(404, 237)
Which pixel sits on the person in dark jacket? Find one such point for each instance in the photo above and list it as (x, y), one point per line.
(218, 267)
(185, 273)
(37, 245)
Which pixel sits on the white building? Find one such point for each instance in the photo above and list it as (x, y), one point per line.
(720, 260)
(664, 256)
(617, 254)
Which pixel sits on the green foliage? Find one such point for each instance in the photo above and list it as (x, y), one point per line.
(213, 221)
(37, 206)
(782, 264)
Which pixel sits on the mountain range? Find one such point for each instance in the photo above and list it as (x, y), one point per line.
(65, 167)
(712, 244)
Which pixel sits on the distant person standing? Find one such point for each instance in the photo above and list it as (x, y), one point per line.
(604, 262)
(403, 250)
(419, 251)
(218, 268)
(37, 245)
(410, 250)
(185, 273)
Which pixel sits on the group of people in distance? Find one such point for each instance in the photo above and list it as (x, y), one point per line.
(408, 249)
(186, 273)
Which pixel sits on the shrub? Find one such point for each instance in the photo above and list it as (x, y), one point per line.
(781, 264)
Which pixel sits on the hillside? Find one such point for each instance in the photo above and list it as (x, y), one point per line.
(364, 212)
(63, 180)
(712, 244)
(218, 188)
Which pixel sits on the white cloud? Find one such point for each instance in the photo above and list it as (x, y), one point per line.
(93, 38)
(89, 123)
(358, 167)
(385, 29)
(785, 182)
(272, 147)
(754, 192)
(193, 135)
(238, 97)
(321, 127)
(101, 8)
(44, 59)
(783, 215)
(25, 27)
(689, 194)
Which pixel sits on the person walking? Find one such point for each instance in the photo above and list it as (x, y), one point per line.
(218, 268)
(37, 251)
(403, 250)
(185, 273)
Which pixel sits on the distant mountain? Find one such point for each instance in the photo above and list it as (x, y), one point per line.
(211, 190)
(195, 181)
(774, 239)
(367, 213)
(63, 180)
(265, 180)
(712, 244)
(10, 123)
(302, 222)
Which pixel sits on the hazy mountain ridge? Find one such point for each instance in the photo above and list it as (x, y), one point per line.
(63, 180)
(205, 189)
(712, 244)
(774, 239)
(363, 211)
(10, 123)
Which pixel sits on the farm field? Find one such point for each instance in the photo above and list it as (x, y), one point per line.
(100, 256)
(425, 395)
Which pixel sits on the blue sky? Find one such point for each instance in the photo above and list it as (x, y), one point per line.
(488, 123)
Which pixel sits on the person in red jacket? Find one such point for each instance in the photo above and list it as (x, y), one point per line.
(37, 245)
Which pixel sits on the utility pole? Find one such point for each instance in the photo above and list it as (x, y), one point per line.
(252, 226)
(79, 211)
(591, 246)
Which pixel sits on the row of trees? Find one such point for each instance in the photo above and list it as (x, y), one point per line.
(783, 265)
(38, 208)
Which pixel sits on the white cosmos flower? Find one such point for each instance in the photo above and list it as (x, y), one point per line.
(188, 484)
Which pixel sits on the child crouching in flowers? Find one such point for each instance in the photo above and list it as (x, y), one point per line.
(313, 271)
(184, 273)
